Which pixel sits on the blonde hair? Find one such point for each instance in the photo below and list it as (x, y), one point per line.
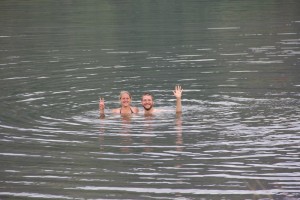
(125, 92)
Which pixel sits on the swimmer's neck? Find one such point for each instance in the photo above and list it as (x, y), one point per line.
(149, 112)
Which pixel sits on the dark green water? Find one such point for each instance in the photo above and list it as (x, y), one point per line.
(239, 133)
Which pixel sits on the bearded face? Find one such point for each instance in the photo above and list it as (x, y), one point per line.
(147, 102)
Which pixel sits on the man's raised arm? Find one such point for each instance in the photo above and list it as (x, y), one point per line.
(178, 93)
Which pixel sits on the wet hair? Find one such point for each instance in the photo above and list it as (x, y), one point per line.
(125, 92)
(147, 94)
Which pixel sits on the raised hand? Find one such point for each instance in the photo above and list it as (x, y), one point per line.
(178, 92)
(101, 104)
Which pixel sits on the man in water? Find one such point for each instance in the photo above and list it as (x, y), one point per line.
(147, 101)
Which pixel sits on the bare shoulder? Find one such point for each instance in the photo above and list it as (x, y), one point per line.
(155, 110)
(135, 109)
(116, 110)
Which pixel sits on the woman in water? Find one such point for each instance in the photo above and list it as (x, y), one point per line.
(125, 109)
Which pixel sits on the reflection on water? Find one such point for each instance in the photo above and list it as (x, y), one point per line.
(238, 135)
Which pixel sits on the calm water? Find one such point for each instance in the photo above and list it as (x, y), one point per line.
(239, 134)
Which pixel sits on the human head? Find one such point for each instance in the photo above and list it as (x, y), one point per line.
(125, 98)
(147, 101)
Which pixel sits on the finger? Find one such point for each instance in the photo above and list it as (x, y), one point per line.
(180, 88)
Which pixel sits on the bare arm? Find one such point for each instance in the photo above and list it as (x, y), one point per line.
(101, 108)
(178, 93)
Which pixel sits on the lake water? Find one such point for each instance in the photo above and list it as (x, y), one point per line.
(237, 138)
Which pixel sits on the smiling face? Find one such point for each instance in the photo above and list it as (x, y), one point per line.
(125, 99)
(147, 101)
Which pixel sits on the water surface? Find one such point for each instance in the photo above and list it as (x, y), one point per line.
(237, 138)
